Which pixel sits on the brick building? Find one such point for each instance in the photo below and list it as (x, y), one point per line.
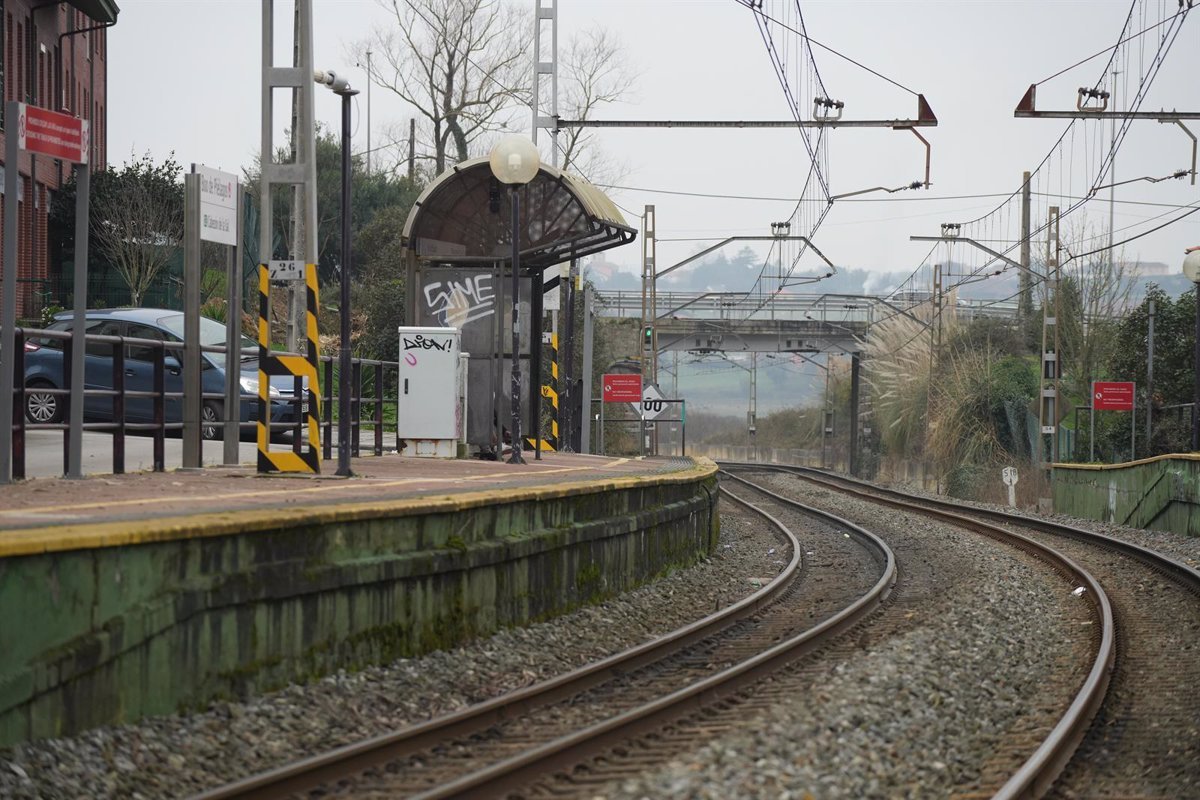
(55, 56)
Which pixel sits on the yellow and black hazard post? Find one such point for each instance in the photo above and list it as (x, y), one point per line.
(550, 392)
(303, 367)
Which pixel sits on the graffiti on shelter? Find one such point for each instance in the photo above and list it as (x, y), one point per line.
(456, 302)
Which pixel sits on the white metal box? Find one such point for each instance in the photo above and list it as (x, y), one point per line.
(429, 413)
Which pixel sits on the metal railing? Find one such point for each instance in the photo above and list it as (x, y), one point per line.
(830, 308)
(369, 392)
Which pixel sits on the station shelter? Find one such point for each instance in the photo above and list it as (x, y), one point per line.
(458, 249)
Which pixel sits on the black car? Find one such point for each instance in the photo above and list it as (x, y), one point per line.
(44, 367)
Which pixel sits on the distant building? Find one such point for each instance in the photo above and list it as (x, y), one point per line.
(55, 56)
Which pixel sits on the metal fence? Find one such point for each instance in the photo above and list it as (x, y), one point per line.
(373, 385)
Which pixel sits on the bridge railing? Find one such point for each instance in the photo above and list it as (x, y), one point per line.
(738, 306)
(829, 308)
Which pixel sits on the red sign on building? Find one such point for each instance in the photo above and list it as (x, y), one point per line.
(52, 134)
(1112, 395)
(622, 388)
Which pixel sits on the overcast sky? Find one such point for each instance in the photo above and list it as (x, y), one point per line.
(185, 77)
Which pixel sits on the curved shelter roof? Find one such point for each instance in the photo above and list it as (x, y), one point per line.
(463, 217)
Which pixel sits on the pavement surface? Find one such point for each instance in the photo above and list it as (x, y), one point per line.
(46, 503)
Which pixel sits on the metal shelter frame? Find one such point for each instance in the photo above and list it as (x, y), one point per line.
(462, 219)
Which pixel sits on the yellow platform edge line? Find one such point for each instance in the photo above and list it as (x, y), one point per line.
(1123, 464)
(119, 533)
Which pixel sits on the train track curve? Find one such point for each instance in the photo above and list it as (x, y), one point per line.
(1143, 736)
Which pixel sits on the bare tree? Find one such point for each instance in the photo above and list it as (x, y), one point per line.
(1097, 288)
(137, 220)
(459, 63)
(595, 72)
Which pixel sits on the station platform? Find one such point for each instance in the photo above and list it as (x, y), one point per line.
(139, 594)
(48, 514)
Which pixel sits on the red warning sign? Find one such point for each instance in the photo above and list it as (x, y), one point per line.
(622, 388)
(1112, 395)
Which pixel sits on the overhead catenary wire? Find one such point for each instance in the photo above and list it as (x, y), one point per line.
(924, 198)
(1064, 192)
(756, 7)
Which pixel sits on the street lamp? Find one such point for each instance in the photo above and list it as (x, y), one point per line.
(1191, 269)
(341, 87)
(514, 161)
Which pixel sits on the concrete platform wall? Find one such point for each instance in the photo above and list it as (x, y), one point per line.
(1160, 493)
(199, 609)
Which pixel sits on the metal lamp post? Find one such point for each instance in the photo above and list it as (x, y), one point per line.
(514, 161)
(341, 87)
(1191, 269)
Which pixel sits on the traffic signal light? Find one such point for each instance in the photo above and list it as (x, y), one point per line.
(648, 336)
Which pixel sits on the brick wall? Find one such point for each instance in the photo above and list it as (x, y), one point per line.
(65, 74)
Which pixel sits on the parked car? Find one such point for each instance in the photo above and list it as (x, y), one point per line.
(45, 365)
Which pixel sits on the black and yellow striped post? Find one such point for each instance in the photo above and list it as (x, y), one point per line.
(304, 367)
(550, 442)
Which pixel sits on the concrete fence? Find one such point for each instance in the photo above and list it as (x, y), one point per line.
(1160, 493)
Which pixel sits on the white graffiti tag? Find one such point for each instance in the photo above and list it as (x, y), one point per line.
(457, 302)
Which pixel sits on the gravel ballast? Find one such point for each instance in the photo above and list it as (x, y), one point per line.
(978, 634)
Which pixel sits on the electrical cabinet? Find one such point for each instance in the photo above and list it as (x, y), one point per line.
(429, 414)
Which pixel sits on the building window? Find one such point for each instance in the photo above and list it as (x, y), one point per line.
(3, 30)
(31, 53)
(19, 88)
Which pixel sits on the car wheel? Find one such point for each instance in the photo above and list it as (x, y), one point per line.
(42, 407)
(210, 422)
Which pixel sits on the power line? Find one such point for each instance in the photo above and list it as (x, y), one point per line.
(1133, 238)
(908, 199)
(751, 5)
(1107, 49)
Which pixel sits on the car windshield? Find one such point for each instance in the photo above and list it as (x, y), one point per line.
(212, 333)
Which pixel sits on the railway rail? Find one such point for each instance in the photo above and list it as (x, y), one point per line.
(667, 696)
(505, 743)
(1141, 734)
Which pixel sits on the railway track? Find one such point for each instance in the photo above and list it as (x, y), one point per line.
(620, 716)
(1143, 738)
(691, 674)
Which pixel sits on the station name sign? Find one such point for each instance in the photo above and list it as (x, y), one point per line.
(218, 205)
(51, 133)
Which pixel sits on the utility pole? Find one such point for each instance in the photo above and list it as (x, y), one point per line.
(1112, 178)
(304, 193)
(854, 388)
(1051, 367)
(827, 415)
(412, 149)
(567, 394)
(585, 394)
(549, 14)
(935, 345)
(1025, 300)
(649, 298)
(1149, 374)
(752, 414)
(368, 112)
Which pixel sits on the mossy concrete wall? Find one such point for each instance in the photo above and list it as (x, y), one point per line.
(1160, 493)
(106, 624)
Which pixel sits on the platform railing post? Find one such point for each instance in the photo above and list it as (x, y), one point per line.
(118, 409)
